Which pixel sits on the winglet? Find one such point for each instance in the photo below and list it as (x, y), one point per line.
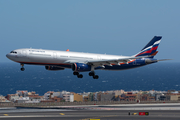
(67, 50)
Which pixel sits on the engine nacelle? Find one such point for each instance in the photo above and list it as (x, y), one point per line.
(81, 67)
(53, 68)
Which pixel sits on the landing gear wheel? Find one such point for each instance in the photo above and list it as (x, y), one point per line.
(75, 73)
(80, 76)
(95, 76)
(22, 69)
(91, 73)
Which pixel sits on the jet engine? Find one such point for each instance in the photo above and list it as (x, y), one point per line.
(81, 67)
(53, 68)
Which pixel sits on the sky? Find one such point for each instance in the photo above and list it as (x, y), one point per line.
(117, 27)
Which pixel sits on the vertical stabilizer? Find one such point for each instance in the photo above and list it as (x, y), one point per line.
(151, 47)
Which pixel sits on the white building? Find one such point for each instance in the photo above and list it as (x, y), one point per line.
(68, 97)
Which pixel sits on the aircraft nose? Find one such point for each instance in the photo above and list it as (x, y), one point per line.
(8, 56)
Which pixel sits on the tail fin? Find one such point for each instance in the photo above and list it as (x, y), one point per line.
(150, 48)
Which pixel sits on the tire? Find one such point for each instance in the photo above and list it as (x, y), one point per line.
(22, 69)
(80, 76)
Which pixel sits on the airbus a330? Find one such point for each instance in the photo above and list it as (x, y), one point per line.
(85, 62)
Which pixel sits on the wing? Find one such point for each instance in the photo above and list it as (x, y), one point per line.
(109, 62)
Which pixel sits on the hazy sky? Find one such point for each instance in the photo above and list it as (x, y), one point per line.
(119, 27)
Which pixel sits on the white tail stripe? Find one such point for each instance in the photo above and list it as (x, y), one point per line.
(157, 42)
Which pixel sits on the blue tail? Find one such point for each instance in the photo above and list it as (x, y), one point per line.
(150, 48)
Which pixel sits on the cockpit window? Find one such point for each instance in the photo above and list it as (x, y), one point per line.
(13, 52)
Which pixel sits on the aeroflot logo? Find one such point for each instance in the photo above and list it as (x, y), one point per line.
(37, 51)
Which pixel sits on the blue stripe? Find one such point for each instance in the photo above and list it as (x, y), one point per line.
(156, 38)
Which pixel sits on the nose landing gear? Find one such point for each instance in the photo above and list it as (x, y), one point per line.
(22, 68)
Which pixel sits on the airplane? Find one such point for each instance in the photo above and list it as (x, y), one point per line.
(85, 62)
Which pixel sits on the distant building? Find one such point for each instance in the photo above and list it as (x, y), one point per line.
(68, 97)
(78, 98)
(3, 99)
(95, 96)
(107, 96)
(86, 99)
(62, 96)
(128, 97)
(56, 99)
(12, 97)
(116, 92)
(22, 93)
(157, 96)
(173, 96)
(52, 96)
(35, 98)
(56, 94)
(85, 96)
(48, 94)
(22, 100)
(172, 91)
(164, 98)
(24, 97)
(91, 98)
(147, 97)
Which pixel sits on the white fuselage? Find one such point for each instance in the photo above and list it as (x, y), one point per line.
(52, 57)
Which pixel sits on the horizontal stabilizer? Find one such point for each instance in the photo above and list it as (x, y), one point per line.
(163, 60)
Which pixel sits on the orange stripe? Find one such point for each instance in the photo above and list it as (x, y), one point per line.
(128, 62)
(154, 53)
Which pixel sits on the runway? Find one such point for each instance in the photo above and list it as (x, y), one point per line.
(89, 114)
(167, 106)
(83, 114)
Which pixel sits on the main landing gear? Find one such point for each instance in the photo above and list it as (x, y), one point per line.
(78, 75)
(22, 68)
(92, 73)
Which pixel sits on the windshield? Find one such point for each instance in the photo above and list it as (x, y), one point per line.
(13, 52)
